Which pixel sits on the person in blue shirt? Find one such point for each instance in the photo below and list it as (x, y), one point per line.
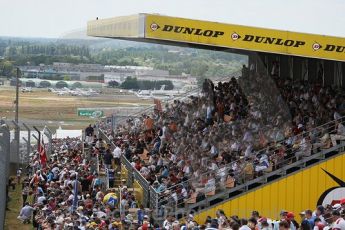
(50, 176)
(140, 214)
(161, 188)
(165, 172)
(310, 218)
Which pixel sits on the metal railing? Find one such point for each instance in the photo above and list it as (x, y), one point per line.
(133, 173)
(213, 185)
(129, 168)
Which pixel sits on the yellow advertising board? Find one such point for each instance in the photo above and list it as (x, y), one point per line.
(244, 37)
(177, 31)
(318, 185)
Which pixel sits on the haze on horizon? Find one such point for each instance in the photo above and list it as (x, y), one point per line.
(57, 19)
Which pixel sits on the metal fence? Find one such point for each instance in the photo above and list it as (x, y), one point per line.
(4, 169)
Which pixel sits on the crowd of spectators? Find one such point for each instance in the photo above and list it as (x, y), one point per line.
(50, 188)
(322, 218)
(234, 131)
(66, 191)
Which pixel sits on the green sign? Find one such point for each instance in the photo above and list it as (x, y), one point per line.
(90, 113)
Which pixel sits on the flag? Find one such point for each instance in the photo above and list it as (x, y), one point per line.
(42, 152)
(158, 104)
(75, 193)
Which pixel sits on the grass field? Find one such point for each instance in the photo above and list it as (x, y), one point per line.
(41, 105)
(11, 221)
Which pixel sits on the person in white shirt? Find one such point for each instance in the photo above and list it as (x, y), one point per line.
(235, 146)
(167, 224)
(213, 165)
(249, 151)
(163, 136)
(244, 226)
(336, 115)
(338, 221)
(263, 163)
(117, 154)
(210, 186)
(340, 136)
(222, 172)
(305, 148)
(248, 137)
(144, 171)
(19, 174)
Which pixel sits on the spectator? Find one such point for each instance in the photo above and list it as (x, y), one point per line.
(244, 225)
(89, 131)
(284, 225)
(318, 224)
(117, 154)
(26, 213)
(108, 157)
(338, 221)
(340, 136)
(310, 218)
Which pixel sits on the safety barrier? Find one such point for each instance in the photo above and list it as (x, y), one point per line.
(4, 168)
(5, 151)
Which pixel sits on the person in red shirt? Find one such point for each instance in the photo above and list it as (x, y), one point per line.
(220, 110)
(137, 164)
(88, 202)
(318, 224)
(52, 203)
(173, 178)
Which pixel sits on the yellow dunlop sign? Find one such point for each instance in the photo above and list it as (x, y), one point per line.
(243, 37)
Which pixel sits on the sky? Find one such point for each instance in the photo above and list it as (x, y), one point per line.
(58, 18)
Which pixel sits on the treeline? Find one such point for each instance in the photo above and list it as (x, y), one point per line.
(200, 63)
(135, 84)
(45, 49)
(7, 65)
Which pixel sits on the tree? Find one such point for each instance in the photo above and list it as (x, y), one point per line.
(66, 78)
(130, 83)
(199, 68)
(133, 83)
(113, 84)
(6, 68)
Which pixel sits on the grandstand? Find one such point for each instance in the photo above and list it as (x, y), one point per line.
(270, 136)
(251, 145)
